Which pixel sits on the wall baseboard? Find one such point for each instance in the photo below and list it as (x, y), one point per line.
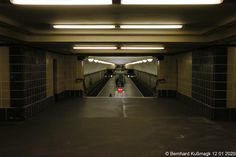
(69, 94)
(167, 93)
(210, 112)
(23, 113)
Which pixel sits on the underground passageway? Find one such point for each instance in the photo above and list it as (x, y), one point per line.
(117, 78)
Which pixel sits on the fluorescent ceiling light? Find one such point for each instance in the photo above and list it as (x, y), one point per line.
(95, 48)
(142, 48)
(103, 62)
(90, 59)
(84, 26)
(170, 2)
(151, 26)
(99, 61)
(62, 2)
(150, 60)
(137, 62)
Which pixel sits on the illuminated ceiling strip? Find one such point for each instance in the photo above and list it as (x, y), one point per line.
(121, 26)
(95, 48)
(99, 61)
(61, 2)
(103, 62)
(150, 59)
(84, 26)
(142, 48)
(151, 26)
(90, 59)
(171, 2)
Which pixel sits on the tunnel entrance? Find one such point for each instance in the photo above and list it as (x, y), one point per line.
(121, 77)
(120, 86)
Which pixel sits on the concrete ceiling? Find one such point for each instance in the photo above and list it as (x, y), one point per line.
(203, 26)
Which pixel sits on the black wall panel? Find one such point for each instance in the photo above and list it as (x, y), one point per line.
(27, 76)
(209, 76)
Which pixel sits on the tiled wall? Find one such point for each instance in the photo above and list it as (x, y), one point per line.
(49, 75)
(150, 68)
(93, 78)
(4, 78)
(167, 69)
(94, 73)
(68, 69)
(145, 82)
(231, 82)
(148, 79)
(27, 75)
(91, 67)
(176, 70)
(210, 76)
(184, 85)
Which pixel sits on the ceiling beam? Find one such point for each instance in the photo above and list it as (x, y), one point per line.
(116, 38)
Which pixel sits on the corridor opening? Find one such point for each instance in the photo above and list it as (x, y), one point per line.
(121, 77)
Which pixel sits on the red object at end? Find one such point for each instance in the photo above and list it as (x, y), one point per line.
(120, 89)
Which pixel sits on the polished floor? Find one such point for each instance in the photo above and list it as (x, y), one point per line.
(115, 127)
(130, 90)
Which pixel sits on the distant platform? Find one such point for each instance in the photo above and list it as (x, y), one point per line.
(129, 90)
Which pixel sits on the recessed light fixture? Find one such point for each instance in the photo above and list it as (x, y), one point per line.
(150, 60)
(84, 26)
(95, 48)
(90, 59)
(142, 48)
(62, 2)
(170, 2)
(101, 62)
(151, 26)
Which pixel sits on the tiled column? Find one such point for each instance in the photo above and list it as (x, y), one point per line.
(209, 78)
(28, 81)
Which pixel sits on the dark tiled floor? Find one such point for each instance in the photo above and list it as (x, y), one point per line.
(115, 127)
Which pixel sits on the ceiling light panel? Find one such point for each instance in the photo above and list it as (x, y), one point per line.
(61, 2)
(84, 26)
(171, 2)
(95, 47)
(150, 60)
(142, 48)
(90, 59)
(151, 26)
